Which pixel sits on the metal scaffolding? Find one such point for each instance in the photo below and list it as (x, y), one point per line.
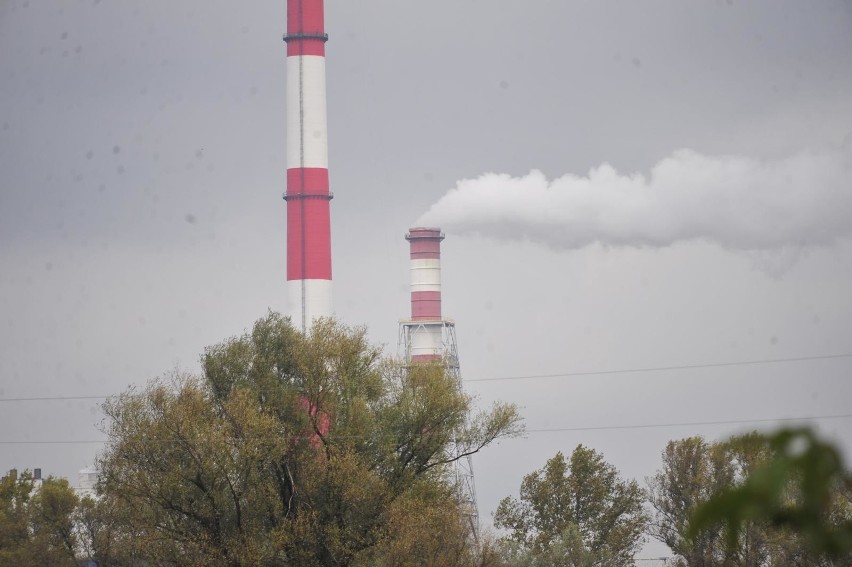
(449, 357)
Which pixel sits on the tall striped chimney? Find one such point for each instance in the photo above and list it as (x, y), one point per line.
(307, 196)
(426, 342)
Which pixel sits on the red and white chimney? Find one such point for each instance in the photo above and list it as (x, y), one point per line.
(307, 196)
(426, 338)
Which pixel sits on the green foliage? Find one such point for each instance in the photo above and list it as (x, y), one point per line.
(36, 521)
(693, 471)
(15, 494)
(99, 537)
(802, 488)
(782, 498)
(293, 449)
(566, 549)
(577, 512)
(421, 531)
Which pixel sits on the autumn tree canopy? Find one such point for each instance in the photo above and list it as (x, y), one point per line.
(781, 507)
(37, 521)
(576, 512)
(295, 449)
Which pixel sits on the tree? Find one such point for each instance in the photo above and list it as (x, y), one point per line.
(706, 478)
(578, 512)
(801, 488)
(293, 449)
(99, 535)
(36, 521)
(422, 531)
(566, 549)
(15, 495)
(692, 472)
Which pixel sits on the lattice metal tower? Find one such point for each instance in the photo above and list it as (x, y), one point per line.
(427, 337)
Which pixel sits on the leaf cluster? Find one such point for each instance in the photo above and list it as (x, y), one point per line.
(803, 487)
(36, 521)
(294, 449)
(574, 512)
(753, 500)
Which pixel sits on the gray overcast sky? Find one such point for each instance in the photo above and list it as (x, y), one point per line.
(142, 164)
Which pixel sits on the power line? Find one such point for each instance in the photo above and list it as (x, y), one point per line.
(53, 399)
(690, 423)
(59, 442)
(532, 376)
(544, 430)
(664, 368)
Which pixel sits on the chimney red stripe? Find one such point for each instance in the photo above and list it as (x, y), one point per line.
(306, 47)
(426, 305)
(425, 243)
(425, 249)
(310, 180)
(308, 204)
(313, 212)
(305, 28)
(305, 16)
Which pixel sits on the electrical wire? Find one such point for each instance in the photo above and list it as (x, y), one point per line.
(54, 399)
(664, 368)
(691, 423)
(528, 431)
(532, 376)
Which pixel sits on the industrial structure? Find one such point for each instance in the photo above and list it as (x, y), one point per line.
(426, 337)
(429, 338)
(307, 195)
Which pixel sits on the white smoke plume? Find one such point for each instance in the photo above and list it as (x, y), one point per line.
(739, 203)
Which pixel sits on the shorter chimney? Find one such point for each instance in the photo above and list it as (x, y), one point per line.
(426, 343)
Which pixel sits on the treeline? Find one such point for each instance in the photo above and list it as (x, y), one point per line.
(751, 501)
(314, 450)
